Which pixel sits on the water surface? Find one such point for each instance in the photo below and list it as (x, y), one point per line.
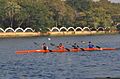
(69, 65)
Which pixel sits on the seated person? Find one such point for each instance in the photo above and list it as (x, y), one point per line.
(61, 46)
(44, 46)
(90, 45)
(75, 46)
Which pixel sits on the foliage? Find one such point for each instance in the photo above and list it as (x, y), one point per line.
(46, 14)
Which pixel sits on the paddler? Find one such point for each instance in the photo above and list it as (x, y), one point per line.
(61, 46)
(75, 46)
(90, 45)
(44, 46)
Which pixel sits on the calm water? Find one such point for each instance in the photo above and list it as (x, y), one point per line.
(81, 65)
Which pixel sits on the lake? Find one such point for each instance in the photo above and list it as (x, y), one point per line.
(68, 65)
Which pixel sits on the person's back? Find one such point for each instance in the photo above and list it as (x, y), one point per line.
(75, 46)
(61, 46)
(90, 45)
(44, 47)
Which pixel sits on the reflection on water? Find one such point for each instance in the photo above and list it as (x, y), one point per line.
(81, 65)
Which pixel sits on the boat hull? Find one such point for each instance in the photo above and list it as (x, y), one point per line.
(98, 49)
(62, 50)
(46, 51)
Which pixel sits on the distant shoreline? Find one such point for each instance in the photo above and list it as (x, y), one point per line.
(37, 34)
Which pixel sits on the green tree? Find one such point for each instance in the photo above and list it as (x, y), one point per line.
(62, 14)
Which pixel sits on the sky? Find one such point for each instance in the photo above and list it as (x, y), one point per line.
(116, 1)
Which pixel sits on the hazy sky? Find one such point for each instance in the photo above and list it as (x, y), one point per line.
(115, 1)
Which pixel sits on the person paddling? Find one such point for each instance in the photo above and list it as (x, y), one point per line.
(44, 46)
(75, 46)
(61, 46)
(90, 45)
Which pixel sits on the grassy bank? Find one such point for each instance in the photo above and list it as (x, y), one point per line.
(36, 34)
(80, 33)
(19, 34)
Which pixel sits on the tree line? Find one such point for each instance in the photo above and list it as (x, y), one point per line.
(50, 13)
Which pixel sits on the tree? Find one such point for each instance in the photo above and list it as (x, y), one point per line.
(62, 14)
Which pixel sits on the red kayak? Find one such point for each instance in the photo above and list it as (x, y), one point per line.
(62, 50)
(47, 51)
(97, 49)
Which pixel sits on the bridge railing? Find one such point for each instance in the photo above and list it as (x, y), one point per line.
(54, 29)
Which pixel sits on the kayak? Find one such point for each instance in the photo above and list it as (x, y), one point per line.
(47, 51)
(31, 51)
(98, 49)
(62, 50)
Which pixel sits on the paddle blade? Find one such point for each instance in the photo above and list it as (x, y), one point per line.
(82, 49)
(50, 51)
(73, 46)
(52, 44)
(98, 47)
(67, 49)
(117, 48)
(36, 43)
(77, 46)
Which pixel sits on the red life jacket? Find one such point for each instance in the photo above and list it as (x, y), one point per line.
(61, 47)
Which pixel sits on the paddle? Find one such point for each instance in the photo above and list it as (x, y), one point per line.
(36, 43)
(80, 48)
(117, 48)
(57, 46)
(52, 44)
(98, 47)
(75, 46)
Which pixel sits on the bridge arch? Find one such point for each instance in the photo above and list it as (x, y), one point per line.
(118, 24)
(2, 30)
(63, 29)
(19, 29)
(28, 29)
(48, 29)
(55, 29)
(86, 29)
(78, 29)
(100, 29)
(71, 29)
(9, 29)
